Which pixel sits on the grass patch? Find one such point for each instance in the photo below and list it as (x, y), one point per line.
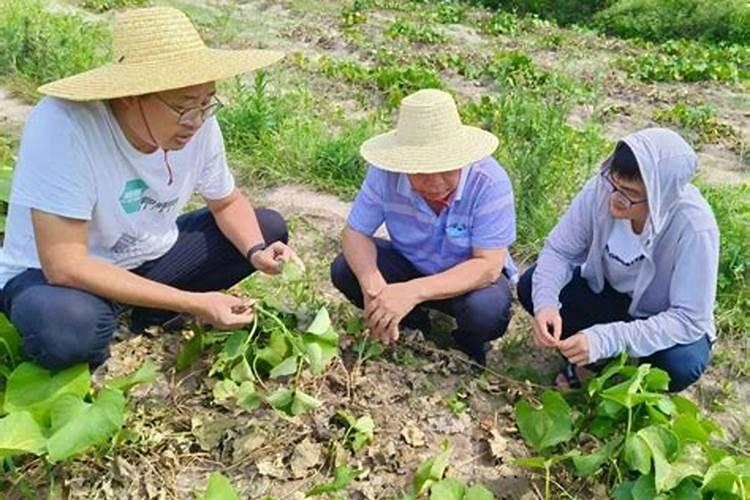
(392, 82)
(684, 61)
(416, 33)
(731, 205)
(107, 5)
(662, 20)
(7, 162)
(37, 46)
(293, 138)
(700, 124)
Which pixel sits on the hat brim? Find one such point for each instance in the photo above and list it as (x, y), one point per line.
(469, 145)
(128, 79)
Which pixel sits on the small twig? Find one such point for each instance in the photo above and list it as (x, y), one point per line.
(536, 490)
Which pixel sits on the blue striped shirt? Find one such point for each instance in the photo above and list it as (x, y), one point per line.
(480, 216)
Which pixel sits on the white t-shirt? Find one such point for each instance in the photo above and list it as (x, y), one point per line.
(74, 161)
(623, 257)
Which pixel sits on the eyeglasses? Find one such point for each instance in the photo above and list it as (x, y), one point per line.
(619, 194)
(190, 115)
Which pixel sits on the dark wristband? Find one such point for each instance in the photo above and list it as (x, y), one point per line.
(255, 248)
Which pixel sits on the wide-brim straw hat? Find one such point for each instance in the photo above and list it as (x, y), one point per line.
(429, 138)
(156, 49)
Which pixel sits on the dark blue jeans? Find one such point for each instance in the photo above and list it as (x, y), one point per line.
(481, 315)
(582, 308)
(62, 326)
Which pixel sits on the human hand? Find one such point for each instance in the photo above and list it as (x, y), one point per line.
(271, 259)
(547, 324)
(576, 349)
(222, 311)
(385, 311)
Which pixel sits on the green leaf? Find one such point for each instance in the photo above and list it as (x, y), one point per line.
(596, 384)
(478, 492)
(657, 380)
(219, 488)
(548, 426)
(236, 345)
(432, 470)
(20, 433)
(641, 489)
(687, 490)
(286, 367)
(247, 397)
(364, 432)
(588, 464)
(190, 352)
(277, 349)
(93, 426)
(688, 429)
(637, 454)
(146, 374)
(10, 342)
(303, 403)
(321, 324)
(66, 408)
(663, 445)
(691, 462)
(627, 393)
(342, 477)
(224, 390)
(447, 489)
(292, 402)
(32, 388)
(726, 477)
(531, 462)
(291, 271)
(242, 371)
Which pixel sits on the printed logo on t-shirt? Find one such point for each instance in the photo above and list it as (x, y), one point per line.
(132, 195)
(456, 230)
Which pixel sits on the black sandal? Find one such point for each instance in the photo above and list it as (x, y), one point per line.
(571, 377)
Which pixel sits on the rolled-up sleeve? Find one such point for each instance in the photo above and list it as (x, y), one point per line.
(367, 213)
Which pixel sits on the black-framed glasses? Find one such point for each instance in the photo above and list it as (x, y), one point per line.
(615, 190)
(190, 115)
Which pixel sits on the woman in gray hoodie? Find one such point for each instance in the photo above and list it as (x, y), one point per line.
(631, 266)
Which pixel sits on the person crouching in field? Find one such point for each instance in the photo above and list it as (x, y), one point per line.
(631, 266)
(448, 207)
(106, 165)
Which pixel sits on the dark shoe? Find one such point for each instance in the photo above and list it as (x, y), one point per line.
(476, 351)
(418, 319)
(570, 375)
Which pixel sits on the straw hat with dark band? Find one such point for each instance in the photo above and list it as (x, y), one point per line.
(429, 138)
(156, 49)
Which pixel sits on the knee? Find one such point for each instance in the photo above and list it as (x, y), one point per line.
(59, 334)
(487, 311)
(684, 368)
(273, 226)
(523, 290)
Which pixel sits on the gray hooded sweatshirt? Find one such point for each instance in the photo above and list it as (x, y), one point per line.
(675, 290)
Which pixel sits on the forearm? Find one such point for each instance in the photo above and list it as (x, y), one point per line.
(475, 273)
(237, 222)
(361, 254)
(120, 285)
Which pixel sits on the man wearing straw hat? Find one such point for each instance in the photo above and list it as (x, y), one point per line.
(106, 164)
(448, 207)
